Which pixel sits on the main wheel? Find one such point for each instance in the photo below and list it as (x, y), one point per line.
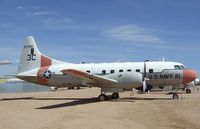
(188, 91)
(115, 95)
(175, 96)
(102, 97)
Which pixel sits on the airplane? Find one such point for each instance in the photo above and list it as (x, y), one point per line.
(15, 80)
(5, 62)
(34, 67)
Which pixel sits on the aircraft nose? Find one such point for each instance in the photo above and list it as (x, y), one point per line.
(189, 76)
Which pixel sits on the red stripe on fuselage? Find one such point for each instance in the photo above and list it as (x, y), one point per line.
(44, 65)
(40, 76)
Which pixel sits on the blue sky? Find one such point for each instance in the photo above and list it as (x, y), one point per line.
(102, 30)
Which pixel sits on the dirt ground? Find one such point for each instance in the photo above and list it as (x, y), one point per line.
(80, 109)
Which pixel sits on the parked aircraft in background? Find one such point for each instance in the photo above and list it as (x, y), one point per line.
(5, 62)
(15, 80)
(112, 78)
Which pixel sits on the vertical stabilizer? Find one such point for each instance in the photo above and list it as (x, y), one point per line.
(30, 55)
(31, 58)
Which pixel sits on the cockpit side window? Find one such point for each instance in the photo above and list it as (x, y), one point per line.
(177, 67)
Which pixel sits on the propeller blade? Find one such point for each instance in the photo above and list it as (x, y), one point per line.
(144, 85)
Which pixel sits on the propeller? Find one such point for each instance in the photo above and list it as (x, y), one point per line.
(144, 85)
(144, 79)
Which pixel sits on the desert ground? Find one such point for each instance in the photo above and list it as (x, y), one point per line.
(80, 109)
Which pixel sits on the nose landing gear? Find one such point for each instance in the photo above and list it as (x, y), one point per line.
(175, 96)
(188, 91)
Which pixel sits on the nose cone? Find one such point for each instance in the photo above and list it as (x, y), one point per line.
(189, 76)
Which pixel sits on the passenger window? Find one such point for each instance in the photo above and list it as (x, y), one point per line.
(129, 70)
(176, 67)
(120, 70)
(88, 71)
(103, 71)
(150, 70)
(112, 71)
(137, 70)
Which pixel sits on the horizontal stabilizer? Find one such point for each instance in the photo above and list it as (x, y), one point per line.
(29, 78)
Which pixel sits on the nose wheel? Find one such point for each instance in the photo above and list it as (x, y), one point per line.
(175, 96)
(188, 91)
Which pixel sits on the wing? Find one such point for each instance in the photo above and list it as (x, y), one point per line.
(90, 79)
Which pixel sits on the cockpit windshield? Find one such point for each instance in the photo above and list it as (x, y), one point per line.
(178, 67)
(182, 67)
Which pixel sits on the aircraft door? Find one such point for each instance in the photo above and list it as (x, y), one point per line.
(121, 76)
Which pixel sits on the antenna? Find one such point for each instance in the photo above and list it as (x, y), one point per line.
(163, 59)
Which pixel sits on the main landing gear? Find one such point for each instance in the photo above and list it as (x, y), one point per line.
(103, 97)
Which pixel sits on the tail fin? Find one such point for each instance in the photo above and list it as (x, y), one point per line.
(31, 58)
(30, 55)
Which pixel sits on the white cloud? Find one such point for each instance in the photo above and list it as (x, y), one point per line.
(52, 17)
(40, 13)
(19, 8)
(57, 20)
(132, 33)
(45, 12)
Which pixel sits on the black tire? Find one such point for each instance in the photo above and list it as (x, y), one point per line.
(102, 97)
(175, 96)
(115, 95)
(188, 91)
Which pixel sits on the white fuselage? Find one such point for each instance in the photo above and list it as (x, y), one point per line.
(37, 68)
(158, 73)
